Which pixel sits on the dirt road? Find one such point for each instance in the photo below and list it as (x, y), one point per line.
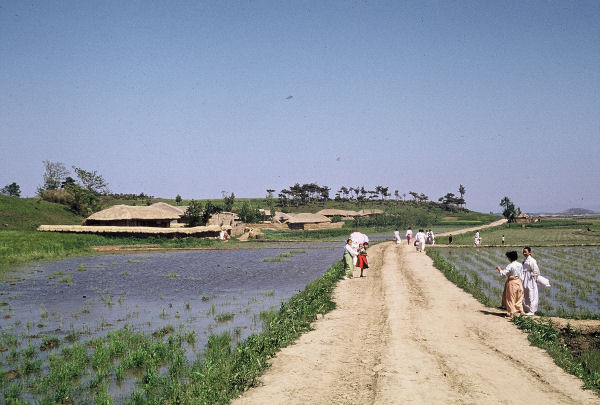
(405, 334)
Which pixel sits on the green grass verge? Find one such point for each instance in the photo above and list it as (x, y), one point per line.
(542, 333)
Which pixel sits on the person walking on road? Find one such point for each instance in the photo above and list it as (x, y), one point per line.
(531, 271)
(350, 257)
(512, 296)
(420, 239)
(409, 235)
(397, 237)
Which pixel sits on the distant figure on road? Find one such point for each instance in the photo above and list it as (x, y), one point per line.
(531, 271)
(408, 235)
(502, 240)
(512, 296)
(397, 236)
(450, 239)
(420, 240)
(477, 240)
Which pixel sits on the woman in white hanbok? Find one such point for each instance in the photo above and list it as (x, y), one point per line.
(531, 271)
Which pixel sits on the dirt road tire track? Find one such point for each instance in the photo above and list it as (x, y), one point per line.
(405, 334)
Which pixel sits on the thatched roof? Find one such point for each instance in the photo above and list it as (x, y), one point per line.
(369, 212)
(307, 218)
(330, 212)
(281, 216)
(129, 212)
(180, 210)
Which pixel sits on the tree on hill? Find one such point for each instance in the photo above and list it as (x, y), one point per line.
(92, 181)
(11, 190)
(462, 191)
(55, 173)
(509, 212)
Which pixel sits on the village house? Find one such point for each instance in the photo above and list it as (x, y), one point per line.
(310, 221)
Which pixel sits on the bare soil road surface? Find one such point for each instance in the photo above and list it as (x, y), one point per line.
(406, 335)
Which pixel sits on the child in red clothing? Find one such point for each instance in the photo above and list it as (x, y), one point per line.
(362, 258)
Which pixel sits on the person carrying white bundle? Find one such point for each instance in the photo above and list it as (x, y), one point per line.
(531, 273)
(397, 237)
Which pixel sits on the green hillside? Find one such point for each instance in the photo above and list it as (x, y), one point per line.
(28, 213)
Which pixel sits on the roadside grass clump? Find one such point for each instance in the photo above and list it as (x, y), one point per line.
(67, 280)
(543, 333)
(224, 317)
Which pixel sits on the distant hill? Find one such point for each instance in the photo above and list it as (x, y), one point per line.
(577, 211)
(28, 213)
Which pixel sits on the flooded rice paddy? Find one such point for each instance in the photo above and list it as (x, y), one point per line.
(574, 274)
(205, 291)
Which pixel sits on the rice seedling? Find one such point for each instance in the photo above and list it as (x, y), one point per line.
(224, 317)
(124, 273)
(43, 312)
(272, 259)
(107, 300)
(82, 267)
(188, 306)
(172, 275)
(67, 280)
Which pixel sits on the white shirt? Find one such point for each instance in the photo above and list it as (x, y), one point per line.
(513, 269)
(409, 233)
(420, 236)
(349, 249)
(530, 265)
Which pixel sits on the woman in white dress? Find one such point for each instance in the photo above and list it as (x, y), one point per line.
(512, 296)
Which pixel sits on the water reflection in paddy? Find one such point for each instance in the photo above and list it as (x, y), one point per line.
(190, 290)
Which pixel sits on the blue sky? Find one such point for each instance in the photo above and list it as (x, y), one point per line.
(193, 98)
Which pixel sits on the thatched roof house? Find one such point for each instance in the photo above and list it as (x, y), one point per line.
(307, 221)
(224, 219)
(281, 217)
(522, 218)
(155, 215)
(344, 214)
(366, 213)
